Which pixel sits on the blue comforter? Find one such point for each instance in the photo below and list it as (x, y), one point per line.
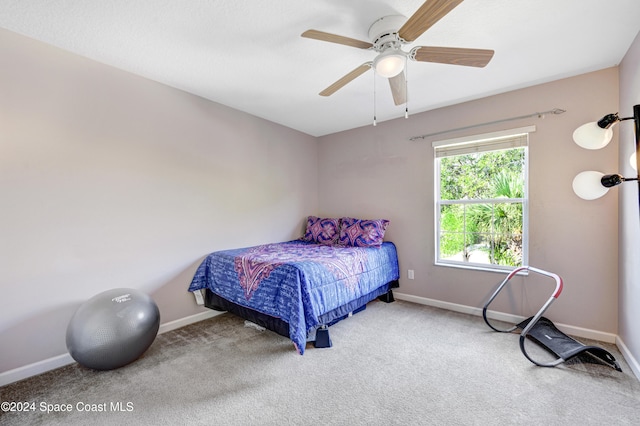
(297, 281)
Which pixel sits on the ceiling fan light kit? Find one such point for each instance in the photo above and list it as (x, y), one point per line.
(384, 38)
(389, 63)
(389, 33)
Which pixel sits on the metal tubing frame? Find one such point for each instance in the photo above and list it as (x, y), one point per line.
(536, 317)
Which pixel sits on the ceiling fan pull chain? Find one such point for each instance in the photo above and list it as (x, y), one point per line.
(406, 89)
(374, 98)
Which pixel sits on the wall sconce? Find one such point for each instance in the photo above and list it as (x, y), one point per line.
(591, 185)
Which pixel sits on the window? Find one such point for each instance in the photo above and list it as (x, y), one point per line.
(481, 200)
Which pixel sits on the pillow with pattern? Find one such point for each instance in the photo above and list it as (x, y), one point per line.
(362, 232)
(322, 230)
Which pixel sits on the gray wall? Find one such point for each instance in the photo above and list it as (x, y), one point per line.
(110, 180)
(629, 315)
(377, 171)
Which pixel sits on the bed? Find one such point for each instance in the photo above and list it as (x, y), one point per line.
(299, 287)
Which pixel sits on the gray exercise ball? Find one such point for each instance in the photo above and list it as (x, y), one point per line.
(113, 328)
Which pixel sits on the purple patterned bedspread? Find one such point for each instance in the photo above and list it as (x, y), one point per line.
(297, 281)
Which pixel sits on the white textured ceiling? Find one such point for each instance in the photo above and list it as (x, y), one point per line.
(248, 54)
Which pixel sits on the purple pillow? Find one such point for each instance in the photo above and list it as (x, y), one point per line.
(322, 230)
(362, 232)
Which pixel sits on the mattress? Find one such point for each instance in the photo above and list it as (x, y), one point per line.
(300, 283)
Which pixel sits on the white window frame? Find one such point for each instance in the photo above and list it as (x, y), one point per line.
(480, 143)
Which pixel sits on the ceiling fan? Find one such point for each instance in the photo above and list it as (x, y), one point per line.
(387, 40)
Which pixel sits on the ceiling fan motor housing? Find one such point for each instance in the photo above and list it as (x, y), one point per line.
(383, 33)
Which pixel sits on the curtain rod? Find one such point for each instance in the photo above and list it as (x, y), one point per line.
(555, 111)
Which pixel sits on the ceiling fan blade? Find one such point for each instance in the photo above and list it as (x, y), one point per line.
(398, 88)
(334, 38)
(346, 79)
(428, 14)
(452, 55)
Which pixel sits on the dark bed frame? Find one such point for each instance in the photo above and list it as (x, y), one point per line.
(277, 325)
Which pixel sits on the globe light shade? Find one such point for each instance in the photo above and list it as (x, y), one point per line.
(592, 136)
(389, 63)
(588, 185)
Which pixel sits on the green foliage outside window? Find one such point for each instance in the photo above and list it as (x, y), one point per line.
(470, 228)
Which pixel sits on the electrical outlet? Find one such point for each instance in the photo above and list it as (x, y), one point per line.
(410, 274)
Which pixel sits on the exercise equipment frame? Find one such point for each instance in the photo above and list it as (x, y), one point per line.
(544, 332)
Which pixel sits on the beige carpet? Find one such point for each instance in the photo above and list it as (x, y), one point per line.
(397, 363)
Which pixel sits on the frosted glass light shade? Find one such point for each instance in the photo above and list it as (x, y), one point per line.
(588, 185)
(592, 136)
(389, 63)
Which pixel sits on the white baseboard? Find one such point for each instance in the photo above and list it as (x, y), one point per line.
(58, 361)
(34, 369)
(501, 316)
(49, 364)
(179, 323)
(633, 363)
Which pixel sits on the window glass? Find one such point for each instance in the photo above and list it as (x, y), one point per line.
(481, 197)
